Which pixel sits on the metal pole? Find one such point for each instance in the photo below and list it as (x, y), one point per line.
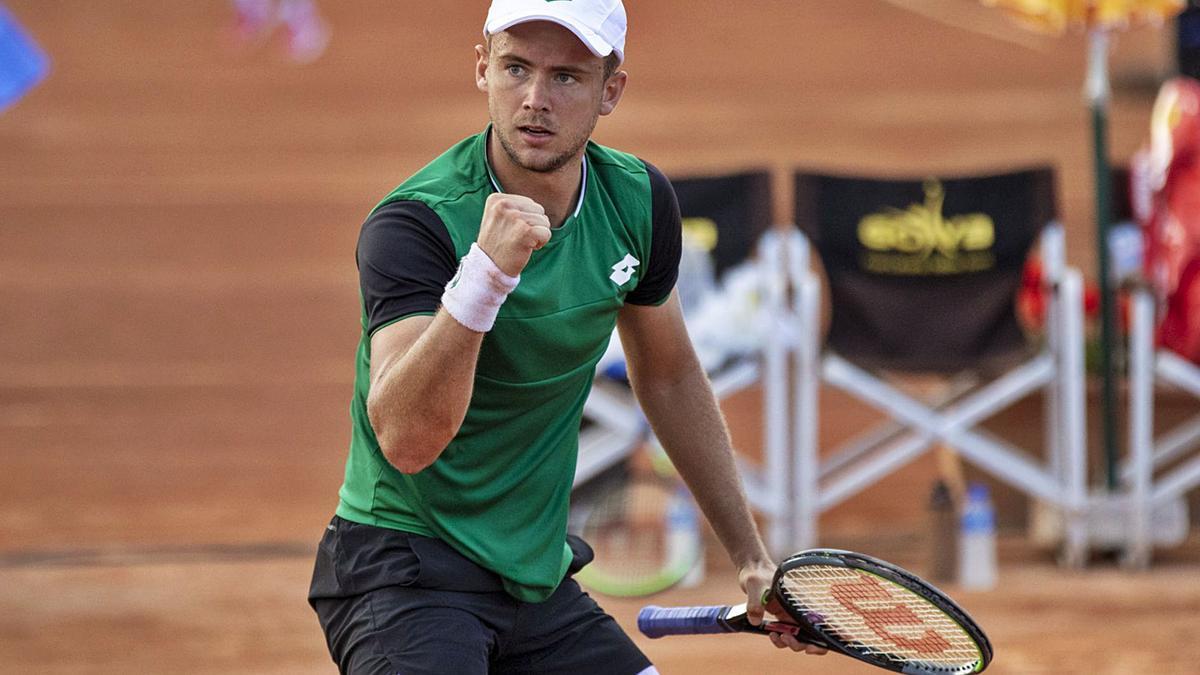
(1098, 93)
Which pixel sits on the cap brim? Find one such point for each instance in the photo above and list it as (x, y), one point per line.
(593, 42)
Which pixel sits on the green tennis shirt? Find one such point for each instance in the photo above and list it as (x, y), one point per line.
(499, 492)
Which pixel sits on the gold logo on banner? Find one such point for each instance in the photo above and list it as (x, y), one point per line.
(921, 241)
(702, 232)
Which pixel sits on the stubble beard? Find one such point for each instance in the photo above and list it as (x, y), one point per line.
(548, 165)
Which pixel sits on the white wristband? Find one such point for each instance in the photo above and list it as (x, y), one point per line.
(473, 297)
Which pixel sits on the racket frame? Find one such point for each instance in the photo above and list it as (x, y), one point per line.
(888, 572)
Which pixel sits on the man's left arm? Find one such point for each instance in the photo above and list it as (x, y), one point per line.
(678, 400)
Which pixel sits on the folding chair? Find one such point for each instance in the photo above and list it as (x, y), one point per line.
(729, 297)
(1165, 346)
(732, 212)
(1159, 471)
(922, 279)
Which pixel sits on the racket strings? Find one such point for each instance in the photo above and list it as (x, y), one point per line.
(627, 529)
(878, 617)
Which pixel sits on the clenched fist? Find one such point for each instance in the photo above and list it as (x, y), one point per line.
(513, 228)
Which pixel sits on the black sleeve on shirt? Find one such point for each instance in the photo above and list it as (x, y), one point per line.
(405, 259)
(666, 243)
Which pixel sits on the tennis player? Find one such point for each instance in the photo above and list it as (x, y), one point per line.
(491, 282)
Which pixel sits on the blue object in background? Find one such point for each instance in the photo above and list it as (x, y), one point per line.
(1188, 45)
(22, 63)
(616, 371)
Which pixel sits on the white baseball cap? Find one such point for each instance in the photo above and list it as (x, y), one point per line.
(600, 24)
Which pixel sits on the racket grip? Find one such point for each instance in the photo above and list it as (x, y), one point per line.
(655, 622)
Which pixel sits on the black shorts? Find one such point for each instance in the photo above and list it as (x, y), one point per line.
(393, 602)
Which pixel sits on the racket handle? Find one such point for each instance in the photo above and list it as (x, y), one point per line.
(655, 622)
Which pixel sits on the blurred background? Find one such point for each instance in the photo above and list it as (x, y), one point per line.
(179, 203)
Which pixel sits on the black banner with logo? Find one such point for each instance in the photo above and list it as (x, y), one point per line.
(923, 273)
(737, 207)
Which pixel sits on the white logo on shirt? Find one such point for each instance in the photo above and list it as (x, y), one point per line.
(623, 271)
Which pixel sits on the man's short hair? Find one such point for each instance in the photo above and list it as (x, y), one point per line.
(611, 63)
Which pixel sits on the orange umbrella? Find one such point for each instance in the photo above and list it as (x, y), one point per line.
(1055, 16)
(1098, 18)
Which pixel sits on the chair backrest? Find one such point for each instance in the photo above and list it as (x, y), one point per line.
(923, 273)
(737, 207)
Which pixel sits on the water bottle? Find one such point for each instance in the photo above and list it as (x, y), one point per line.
(977, 541)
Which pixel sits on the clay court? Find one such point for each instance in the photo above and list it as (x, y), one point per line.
(179, 309)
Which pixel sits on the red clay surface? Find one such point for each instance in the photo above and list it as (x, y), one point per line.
(178, 310)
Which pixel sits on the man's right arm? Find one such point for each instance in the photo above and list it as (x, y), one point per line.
(422, 367)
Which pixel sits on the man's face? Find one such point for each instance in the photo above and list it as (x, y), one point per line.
(545, 93)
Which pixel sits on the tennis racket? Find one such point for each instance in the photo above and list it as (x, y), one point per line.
(855, 605)
(642, 524)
